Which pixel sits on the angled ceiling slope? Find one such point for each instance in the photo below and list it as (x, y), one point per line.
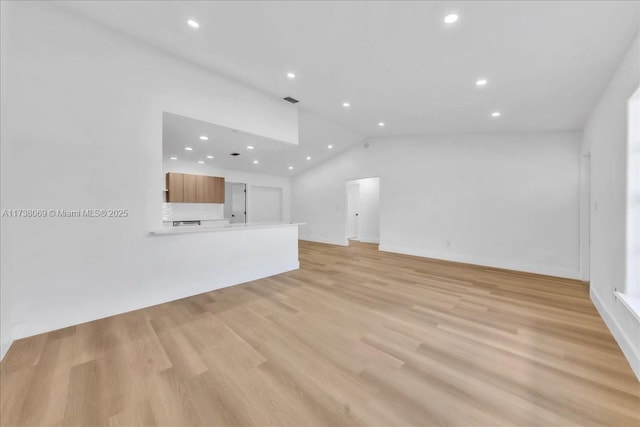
(546, 62)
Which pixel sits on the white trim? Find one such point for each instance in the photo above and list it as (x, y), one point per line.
(621, 338)
(565, 272)
(630, 302)
(367, 240)
(585, 217)
(324, 240)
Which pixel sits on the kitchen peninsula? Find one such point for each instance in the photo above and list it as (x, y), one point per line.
(221, 228)
(222, 221)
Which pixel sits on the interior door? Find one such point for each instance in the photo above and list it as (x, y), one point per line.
(238, 203)
(235, 202)
(353, 204)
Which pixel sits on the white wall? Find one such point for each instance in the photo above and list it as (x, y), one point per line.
(605, 138)
(508, 201)
(82, 128)
(6, 297)
(368, 209)
(265, 204)
(192, 211)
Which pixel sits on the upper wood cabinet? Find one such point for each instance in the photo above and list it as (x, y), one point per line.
(202, 189)
(186, 188)
(175, 187)
(217, 189)
(190, 189)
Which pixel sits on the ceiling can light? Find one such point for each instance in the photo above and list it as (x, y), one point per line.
(481, 82)
(201, 161)
(346, 104)
(329, 147)
(250, 147)
(173, 158)
(204, 138)
(496, 114)
(188, 148)
(381, 124)
(291, 75)
(209, 157)
(255, 162)
(451, 18)
(308, 157)
(290, 167)
(193, 24)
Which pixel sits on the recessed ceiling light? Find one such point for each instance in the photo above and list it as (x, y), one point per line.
(204, 138)
(290, 167)
(193, 24)
(209, 157)
(308, 157)
(381, 124)
(481, 82)
(188, 148)
(329, 147)
(200, 161)
(255, 162)
(496, 114)
(250, 147)
(451, 18)
(346, 105)
(173, 158)
(291, 75)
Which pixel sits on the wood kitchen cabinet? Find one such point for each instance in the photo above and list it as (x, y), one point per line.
(186, 188)
(175, 187)
(203, 194)
(217, 189)
(209, 189)
(190, 189)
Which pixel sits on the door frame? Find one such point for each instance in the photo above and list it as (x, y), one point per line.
(346, 211)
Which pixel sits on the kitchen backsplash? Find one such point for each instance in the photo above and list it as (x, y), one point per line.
(192, 211)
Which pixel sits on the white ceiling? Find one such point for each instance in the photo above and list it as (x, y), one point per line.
(274, 157)
(547, 62)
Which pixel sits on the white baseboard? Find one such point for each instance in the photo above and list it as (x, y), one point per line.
(344, 242)
(564, 272)
(324, 240)
(4, 347)
(621, 338)
(367, 240)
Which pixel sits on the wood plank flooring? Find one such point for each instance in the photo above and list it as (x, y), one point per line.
(355, 337)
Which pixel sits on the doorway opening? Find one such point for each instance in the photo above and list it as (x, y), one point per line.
(235, 202)
(363, 210)
(585, 222)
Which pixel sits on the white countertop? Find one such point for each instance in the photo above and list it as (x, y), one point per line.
(220, 228)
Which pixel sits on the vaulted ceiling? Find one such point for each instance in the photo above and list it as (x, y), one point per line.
(546, 62)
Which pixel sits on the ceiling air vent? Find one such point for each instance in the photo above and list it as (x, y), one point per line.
(235, 154)
(291, 100)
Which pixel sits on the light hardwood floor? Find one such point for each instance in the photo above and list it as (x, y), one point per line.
(355, 337)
